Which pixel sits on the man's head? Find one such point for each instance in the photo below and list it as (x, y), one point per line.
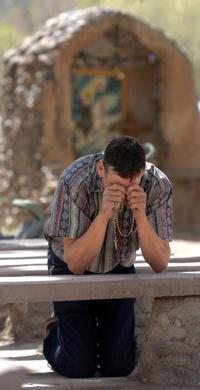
(124, 158)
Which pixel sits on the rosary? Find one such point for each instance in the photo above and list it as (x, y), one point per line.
(116, 226)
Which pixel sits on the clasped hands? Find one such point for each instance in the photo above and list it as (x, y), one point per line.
(115, 194)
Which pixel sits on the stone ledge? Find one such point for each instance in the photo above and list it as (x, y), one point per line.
(56, 288)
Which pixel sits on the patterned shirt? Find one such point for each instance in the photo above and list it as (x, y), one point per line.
(77, 201)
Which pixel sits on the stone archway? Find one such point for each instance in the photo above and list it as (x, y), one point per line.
(37, 127)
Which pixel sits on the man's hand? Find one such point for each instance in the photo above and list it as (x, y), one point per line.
(113, 195)
(155, 250)
(79, 253)
(136, 199)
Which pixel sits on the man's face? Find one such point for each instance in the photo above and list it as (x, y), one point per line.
(109, 177)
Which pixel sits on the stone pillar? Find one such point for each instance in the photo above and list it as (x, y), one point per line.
(171, 345)
(25, 321)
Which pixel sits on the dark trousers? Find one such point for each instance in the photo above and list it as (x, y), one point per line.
(91, 336)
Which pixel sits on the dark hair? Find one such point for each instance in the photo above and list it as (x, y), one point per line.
(125, 155)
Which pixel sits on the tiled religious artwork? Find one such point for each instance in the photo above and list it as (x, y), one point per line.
(98, 102)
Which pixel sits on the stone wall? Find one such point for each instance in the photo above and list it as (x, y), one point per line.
(167, 333)
(170, 352)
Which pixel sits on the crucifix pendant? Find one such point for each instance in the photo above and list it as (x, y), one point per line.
(115, 242)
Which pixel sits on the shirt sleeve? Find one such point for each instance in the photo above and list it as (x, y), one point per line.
(67, 217)
(160, 213)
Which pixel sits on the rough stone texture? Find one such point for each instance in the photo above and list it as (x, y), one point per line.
(37, 107)
(170, 352)
(25, 322)
(168, 338)
(143, 308)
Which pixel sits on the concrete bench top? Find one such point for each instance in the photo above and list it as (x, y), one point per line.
(23, 276)
(58, 288)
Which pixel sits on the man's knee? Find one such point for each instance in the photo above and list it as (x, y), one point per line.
(80, 372)
(79, 365)
(121, 365)
(76, 355)
(80, 368)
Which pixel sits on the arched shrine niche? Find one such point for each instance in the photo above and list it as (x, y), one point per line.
(85, 76)
(115, 89)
